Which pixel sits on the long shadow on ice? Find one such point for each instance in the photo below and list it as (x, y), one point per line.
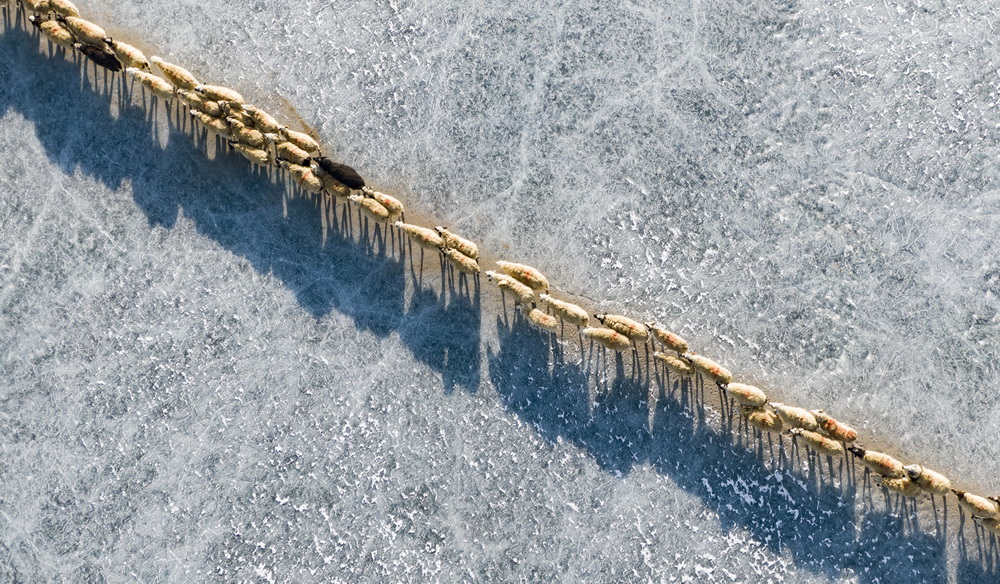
(800, 512)
(360, 271)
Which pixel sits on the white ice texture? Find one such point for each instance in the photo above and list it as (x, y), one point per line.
(195, 390)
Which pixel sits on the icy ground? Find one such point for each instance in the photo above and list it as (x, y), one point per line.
(195, 390)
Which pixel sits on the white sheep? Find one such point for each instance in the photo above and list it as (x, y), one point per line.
(461, 261)
(566, 310)
(624, 325)
(521, 291)
(458, 242)
(423, 235)
(609, 338)
(526, 274)
(180, 77)
(667, 338)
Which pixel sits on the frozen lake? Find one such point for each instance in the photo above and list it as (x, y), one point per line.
(197, 390)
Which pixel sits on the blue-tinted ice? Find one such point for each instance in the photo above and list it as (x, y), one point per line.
(196, 390)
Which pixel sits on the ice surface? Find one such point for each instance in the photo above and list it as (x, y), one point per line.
(196, 390)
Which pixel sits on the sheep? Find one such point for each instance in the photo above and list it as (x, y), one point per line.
(675, 363)
(180, 77)
(424, 236)
(303, 175)
(196, 102)
(747, 395)
(245, 135)
(624, 325)
(128, 55)
(341, 172)
(539, 318)
(609, 338)
(56, 32)
(981, 507)
(371, 207)
(879, 462)
(85, 31)
(233, 110)
(63, 8)
(667, 338)
(458, 242)
(566, 310)
(902, 485)
(42, 7)
(159, 86)
(762, 418)
(818, 442)
(931, 481)
(212, 123)
(709, 367)
(796, 417)
(220, 93)
(300, 139)
(292, 153)
(833, 428)
(461, 261)
(212, 108)
(526, 274)
(393, 205)
(254, 155)
(100, 55)
(262, 120)
(522, 292)
(333, 185)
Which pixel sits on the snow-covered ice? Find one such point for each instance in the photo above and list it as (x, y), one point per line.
(195, 390)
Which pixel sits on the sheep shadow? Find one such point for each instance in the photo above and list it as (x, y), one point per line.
(443, 328)
(978, 560)
(107, 128)
(784, 496)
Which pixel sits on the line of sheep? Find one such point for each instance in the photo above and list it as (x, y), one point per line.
(821, 432)
(262, 140)
(248, 129)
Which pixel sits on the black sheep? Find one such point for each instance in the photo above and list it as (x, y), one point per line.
(341, 172)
